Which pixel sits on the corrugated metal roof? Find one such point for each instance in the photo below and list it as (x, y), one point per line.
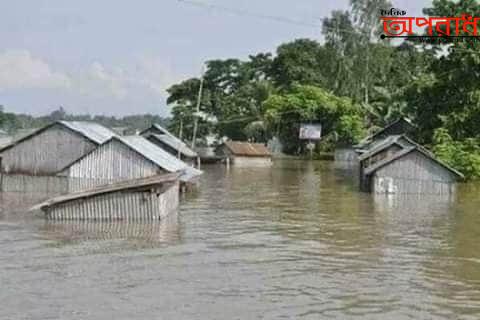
(159, 156)
(175, 143)
(91, 130)
(366, 143)
(162, 129)
(370, 170)
(382, 145)
(247, 149)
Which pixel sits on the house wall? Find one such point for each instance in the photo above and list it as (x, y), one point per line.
(243, 161)
(111, 162)
(252, 161)
(48, 185)
(45, 153)
(413, 174)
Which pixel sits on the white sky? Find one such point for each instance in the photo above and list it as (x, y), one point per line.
(117, 57)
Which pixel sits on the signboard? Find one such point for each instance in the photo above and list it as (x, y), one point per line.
(309, 131)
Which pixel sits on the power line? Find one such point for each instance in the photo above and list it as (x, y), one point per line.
(280, 19)
(246, 13)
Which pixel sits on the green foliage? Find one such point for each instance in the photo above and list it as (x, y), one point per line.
(351, 129)
(338, 115)
(299, 62)
(462, 155)
(256, 131)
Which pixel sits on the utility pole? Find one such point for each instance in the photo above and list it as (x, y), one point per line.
(199, 100)
(180, 134)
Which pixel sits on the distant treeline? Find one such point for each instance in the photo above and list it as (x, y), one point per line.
(352, 83)
(12, 122)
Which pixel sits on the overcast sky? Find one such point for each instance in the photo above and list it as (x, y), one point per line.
(117, 57)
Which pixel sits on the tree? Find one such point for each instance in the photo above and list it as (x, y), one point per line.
(448, 95)
(58, 114)
(298, 62)
(339, 116)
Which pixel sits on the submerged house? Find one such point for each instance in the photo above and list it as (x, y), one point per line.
(401, 126)
(124, 158)
(51, 148)
(170, 143)
(145, 199)
(347, 156)
(245, 154)
(382, 149)
(398, 165)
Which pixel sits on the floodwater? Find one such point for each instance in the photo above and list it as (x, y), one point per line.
(296, 241)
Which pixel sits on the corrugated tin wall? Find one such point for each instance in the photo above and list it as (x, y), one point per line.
(414, 173)
(109, 163)
(33, 184)
(138, 206)
(45, 153)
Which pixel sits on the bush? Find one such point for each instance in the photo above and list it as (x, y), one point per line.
(461, 155)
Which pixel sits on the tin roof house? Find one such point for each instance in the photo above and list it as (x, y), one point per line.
(170, 143)
(51, 148)
(245, 154)
(124, 158)
(398, 165)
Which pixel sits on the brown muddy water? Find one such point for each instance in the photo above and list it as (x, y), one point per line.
(293, 242)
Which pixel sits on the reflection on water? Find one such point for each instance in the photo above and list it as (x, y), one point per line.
(142, 233)
(294, 241)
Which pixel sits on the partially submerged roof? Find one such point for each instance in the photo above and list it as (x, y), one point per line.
(159, 156)
(92, 131)
(153, 153)
(174, 143)
(400, 154)
(247, 149)
(122, 186)
(405, 125)
(401, 140)
(159, 128)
